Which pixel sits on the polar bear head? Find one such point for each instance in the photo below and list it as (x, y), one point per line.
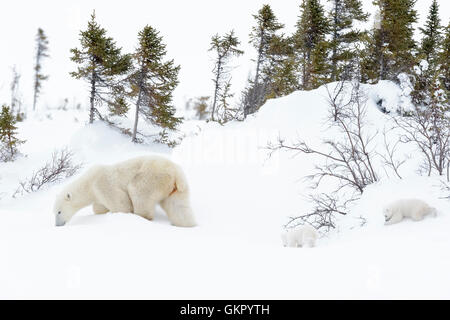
(64, 208)
(387, 212)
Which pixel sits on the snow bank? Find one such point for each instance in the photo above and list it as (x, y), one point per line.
(241, 197)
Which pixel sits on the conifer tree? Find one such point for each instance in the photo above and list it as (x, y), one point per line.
(100, 64)
(153, 82)
(253, 97)
(262, 35)
(428, 90)
(344, 36)
(373, 53)
(41, 53)
(224, 109)
(8, 141)
(281, 72)
(16, 99)
(310, 44)
(201, 108)
(444, 58)
(391, 42)
(225, 47)
(431, 35)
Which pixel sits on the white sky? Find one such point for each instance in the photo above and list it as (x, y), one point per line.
(187, 27)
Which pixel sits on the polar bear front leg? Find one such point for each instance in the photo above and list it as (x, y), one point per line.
(417, 215)
(99, 209)
(120, 203)
(144, 207)
(292, 242)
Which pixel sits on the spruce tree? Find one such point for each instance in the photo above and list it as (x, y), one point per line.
(224, 109)
(16, 99)
(344, 36)
(100, 64)
(444, 58)
(153, 82)
(431, 35)
(41, 53)
(225, 47)
(392, 40)
(372, 55)
(281, 72)
(428, 90)
(310, 44)
(262, 35)
(8, 141)
(200, 107)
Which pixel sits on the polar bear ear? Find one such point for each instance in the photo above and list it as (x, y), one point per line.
(68, 196)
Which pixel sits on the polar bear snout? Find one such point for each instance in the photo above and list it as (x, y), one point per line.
(59, 222)
(387, 215)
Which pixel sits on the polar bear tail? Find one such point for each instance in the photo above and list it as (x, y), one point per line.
(180, 180)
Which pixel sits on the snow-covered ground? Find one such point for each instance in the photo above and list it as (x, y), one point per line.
(241, 198)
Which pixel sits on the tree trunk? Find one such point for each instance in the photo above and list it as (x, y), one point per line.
(92, 99)
(36, 80)
(138, 105)
(335, 43)
(216, 89)
(258, 61)
(136, 117)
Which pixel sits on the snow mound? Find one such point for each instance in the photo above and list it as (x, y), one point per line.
(242, 196)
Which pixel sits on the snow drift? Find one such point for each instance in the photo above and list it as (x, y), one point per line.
(241, 197)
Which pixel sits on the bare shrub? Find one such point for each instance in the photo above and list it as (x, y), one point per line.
(445, 187)
(347, 160)
(60, 167)
(429, 128)
(389, 159)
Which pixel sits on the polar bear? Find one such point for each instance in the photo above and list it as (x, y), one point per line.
(413, 208)
(132, 186)
(299, 236)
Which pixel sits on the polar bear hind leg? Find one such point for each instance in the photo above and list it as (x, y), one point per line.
(178, 209)
(417, 215)
(308, 241)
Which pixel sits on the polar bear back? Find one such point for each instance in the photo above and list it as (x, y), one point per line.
(150, 171)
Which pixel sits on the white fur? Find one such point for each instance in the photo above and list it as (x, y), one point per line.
(133, 186)
(300, 236)
(412, 208)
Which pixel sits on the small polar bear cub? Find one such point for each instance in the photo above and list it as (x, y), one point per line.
(300, 236)
(415, 209)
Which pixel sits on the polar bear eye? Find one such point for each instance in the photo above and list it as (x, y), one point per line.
(59, 212)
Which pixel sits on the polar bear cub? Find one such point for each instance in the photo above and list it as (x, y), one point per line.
(132, 186)
(300, 236)
(415, 209)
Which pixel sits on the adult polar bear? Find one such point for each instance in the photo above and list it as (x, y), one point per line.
(133, 186)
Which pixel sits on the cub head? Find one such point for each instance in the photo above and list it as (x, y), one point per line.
(64, 208)
(387, 212)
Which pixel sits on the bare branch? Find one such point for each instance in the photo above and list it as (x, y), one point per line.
(60, 167)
